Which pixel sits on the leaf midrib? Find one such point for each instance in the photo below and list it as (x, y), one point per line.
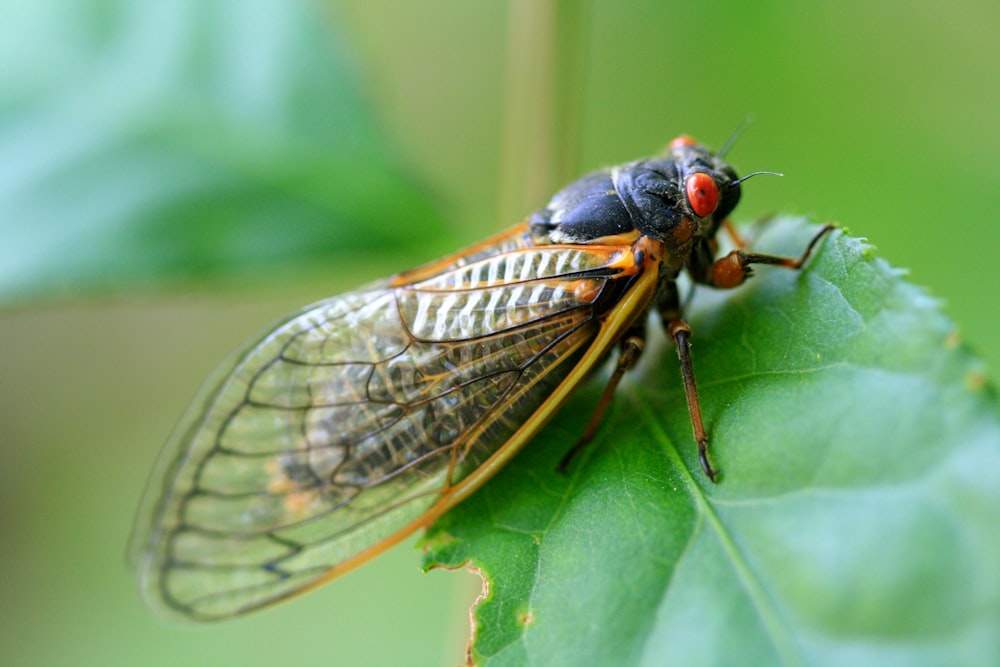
(777, 629)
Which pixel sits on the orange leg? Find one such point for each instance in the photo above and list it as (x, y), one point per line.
(681, 333)
(733, 269)
(734, 236)
(729, 271)
(631, 349)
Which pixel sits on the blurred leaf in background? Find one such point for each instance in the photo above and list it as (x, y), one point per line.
(152, 142)
(162, 147)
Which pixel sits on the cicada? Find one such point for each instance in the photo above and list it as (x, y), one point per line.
(354, 422)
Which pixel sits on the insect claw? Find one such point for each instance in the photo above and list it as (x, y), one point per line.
(705, 465)
(563, 467)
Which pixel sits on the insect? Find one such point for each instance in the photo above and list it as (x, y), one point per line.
(364, 417)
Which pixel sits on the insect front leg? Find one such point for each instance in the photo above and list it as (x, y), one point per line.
(734, 235)
(746, 239)
(733, 269)
(632, 345)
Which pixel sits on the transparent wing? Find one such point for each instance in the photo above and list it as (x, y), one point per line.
(350, 420)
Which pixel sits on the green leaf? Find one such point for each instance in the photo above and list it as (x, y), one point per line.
(162, 142)
(855, 522)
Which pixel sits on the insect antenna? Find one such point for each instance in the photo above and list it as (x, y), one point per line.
(747, 120)
(733, 184)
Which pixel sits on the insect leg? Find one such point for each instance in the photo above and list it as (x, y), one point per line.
(681, 333)
(632, 345)
(734, 268)
(735, 237)
(746, 239)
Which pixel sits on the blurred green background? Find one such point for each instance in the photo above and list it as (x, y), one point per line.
(175, 175)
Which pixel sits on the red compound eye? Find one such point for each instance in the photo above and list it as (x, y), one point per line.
(702, 194)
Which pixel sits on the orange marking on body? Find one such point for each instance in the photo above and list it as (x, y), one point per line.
(624, 261)
(625, 238)
(438, 266)
(649, 250)
(683, 141)
(586, 291)
(685, 230)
